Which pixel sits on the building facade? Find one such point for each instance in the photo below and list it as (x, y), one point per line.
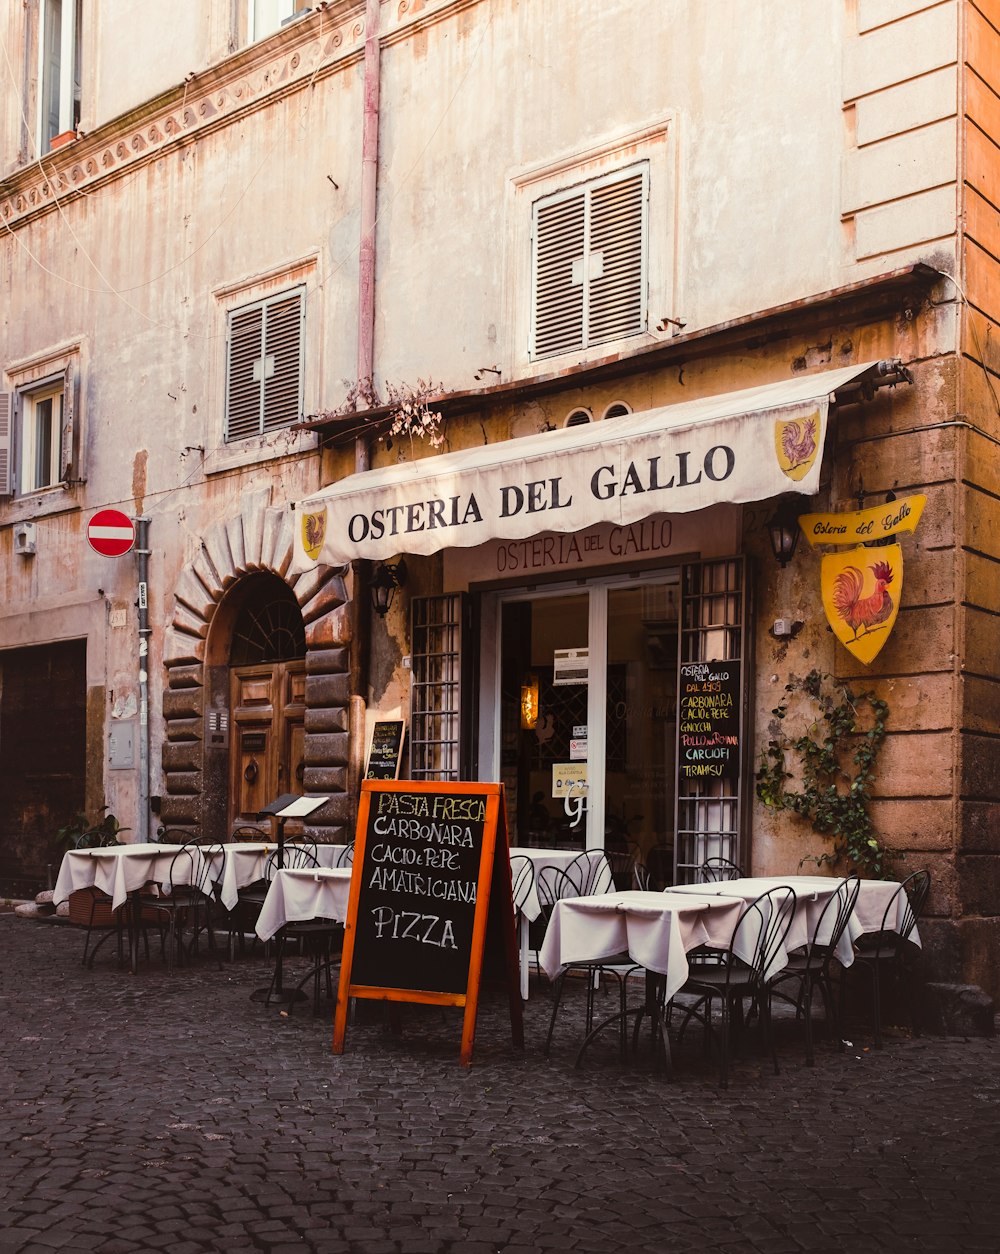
(629, 261)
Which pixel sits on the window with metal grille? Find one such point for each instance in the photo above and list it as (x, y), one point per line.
(436, 687)
(709, 821)
(264, 367)
(589, 263)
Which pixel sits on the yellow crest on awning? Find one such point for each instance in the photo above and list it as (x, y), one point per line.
(861, 592)
(313, 533)
(796, 442)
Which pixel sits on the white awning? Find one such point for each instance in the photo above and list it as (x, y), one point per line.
(740, 446)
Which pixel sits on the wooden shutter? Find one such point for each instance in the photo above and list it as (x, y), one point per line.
(589, 264)
(283, 351)
(617, 295)
(68, 467)
(6, 442)
(243, 389)
(557, 325)
(264, 368)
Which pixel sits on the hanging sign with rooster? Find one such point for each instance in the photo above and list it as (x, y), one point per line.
(861, 587)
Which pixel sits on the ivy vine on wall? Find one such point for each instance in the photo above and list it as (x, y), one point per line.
(825, 773)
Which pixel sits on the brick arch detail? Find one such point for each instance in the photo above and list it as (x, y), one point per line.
(258, 538)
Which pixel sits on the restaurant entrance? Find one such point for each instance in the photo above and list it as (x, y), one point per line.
(586, 718)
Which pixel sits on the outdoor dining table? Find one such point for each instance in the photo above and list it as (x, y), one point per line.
(303, 893)
(531, 907)
(243, 863)
(812, 892)
(121, 871)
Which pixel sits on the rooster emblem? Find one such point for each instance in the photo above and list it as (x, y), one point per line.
(313, 533)
(798, 442)
(871, 612)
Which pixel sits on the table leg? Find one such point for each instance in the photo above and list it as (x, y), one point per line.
(522, 936)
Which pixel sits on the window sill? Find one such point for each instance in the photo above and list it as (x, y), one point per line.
(41, 504)
(261, 448)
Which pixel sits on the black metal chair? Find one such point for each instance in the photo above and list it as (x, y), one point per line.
(346, 856)
(314, 938)
(587, 875)
(760, 936)
(618, 966)
(718, 870)
(813, 966)
(547, 881)
(889, 954)
(522, 879)
(186, 903)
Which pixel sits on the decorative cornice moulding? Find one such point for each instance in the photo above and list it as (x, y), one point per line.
(216, 98)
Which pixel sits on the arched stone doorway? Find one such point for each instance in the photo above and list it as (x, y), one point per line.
(254, 651)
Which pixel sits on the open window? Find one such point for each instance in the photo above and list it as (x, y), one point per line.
(264, 17)
(38, 434)
(58, 35)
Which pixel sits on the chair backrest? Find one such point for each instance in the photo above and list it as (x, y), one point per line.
(832, 922)
(522, 877)
(346, 856)
(175, 836)
(641, 877)
(718, 870)
(759, 935)
(294, 858)
(247, 835)
(188, 869)
(547, 880)
(303, 842)
(589, 873)
(906, 905)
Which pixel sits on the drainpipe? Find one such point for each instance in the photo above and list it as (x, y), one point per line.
(360, 609)
(142, 569)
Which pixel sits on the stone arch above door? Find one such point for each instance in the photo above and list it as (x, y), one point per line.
(258, 538)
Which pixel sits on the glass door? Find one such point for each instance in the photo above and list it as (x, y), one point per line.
(582, 730)
(543, 708)
(641, 727)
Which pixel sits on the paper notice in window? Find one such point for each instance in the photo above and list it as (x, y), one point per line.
(569, 779)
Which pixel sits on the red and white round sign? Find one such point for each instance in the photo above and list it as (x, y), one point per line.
(111, 533)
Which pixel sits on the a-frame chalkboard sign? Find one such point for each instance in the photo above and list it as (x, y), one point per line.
(430, 892)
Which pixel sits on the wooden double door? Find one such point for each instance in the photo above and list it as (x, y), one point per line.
(268, 727)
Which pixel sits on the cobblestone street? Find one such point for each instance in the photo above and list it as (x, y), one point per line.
(170, 1112)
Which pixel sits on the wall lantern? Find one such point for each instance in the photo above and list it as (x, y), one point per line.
(385, 581)
(783, 531)
(529, 702)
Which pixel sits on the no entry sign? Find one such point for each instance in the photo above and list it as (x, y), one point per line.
(111, 533)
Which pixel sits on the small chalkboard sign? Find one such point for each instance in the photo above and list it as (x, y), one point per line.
(387, 749)
(430, 884)
(708, 725)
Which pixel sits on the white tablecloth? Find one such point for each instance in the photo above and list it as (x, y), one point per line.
(540, 858)
(812, 892)
(299, 895)
(123, 869)
(656, 930)
(245, 862)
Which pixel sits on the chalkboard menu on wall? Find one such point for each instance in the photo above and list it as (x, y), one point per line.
(386, 750)
(708, 729)
(431, 867)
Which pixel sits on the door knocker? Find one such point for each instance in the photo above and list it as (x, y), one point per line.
(250, 773)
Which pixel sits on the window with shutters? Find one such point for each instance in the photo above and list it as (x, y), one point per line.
(264, 365)
(589, 263)
(39, 430)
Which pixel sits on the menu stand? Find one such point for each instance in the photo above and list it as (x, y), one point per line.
(287, 806)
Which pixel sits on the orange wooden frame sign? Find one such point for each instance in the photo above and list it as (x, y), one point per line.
(490, 866)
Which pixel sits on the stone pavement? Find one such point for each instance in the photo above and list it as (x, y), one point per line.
(170, 1112)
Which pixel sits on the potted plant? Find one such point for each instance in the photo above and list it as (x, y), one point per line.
(89, 906)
